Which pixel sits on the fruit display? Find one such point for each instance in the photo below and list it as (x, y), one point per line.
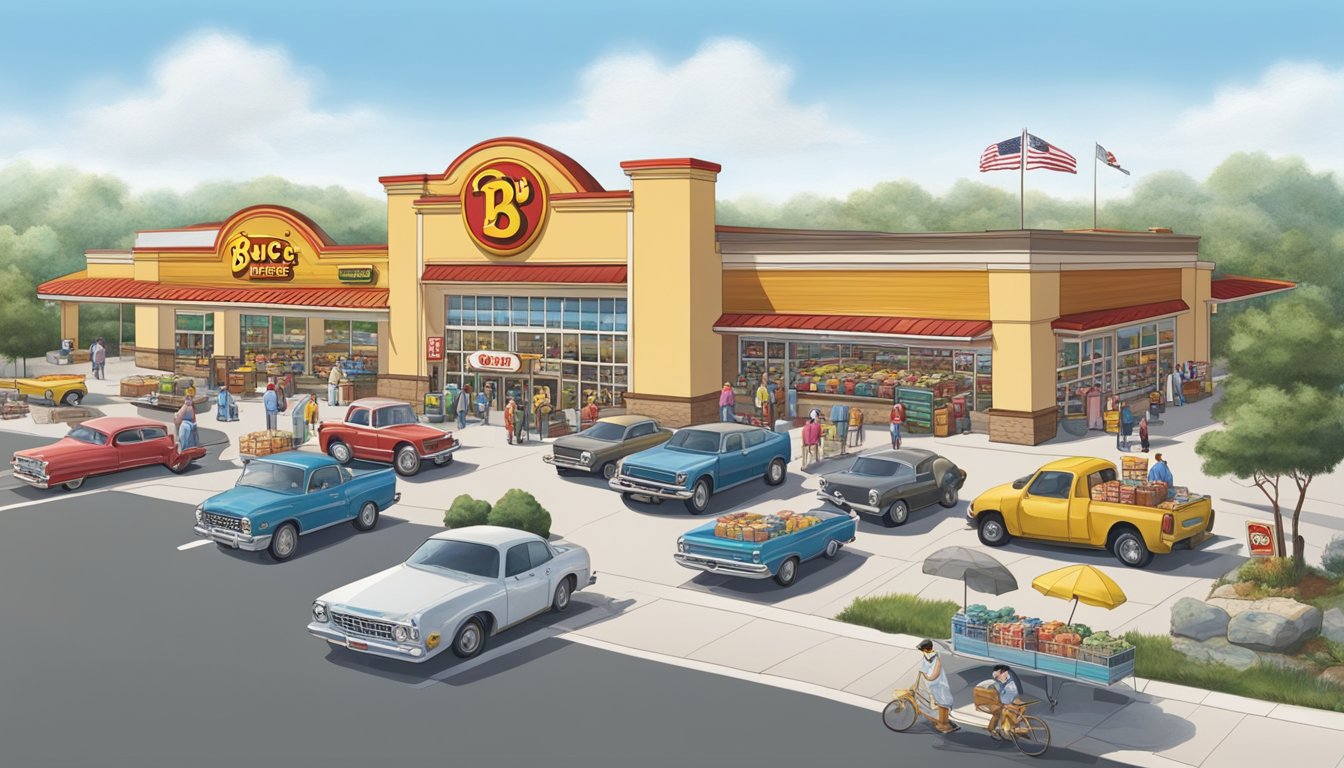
(747, 526)
(864, 380)
(1071, 641)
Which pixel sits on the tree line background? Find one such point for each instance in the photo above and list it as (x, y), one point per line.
(1256, 215)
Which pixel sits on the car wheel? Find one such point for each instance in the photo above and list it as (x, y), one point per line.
(832, 549)
(71, 398)
(562, 594)
(993, 533)
(408, 461)
(949, 497)
(897, 514)
(443, 460)
(1130, 549)
(608, 470)
(470, 639)
(774, 474)
(73, 485)
(367, 517)
(284, 542)
(787, 573)
(699, 500)
(339, 451)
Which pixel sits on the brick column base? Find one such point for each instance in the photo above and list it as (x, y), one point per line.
(675, 412)
(411, 389)
(1023, 427)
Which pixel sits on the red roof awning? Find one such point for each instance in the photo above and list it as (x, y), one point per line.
(521, 273)
(958, 330)
(1107, 318)
(1233, 288)
(125, 288)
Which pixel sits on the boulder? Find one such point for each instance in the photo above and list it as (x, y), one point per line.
(1226, 592)
(1217, 651)
(1198, 620)
(1273, 626)
(1281, 605)
(1332, 626)
(1334, 676)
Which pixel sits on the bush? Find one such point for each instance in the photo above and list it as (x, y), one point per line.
(1333, 559)
(1274, 572)
(467, 511)
(903, 614)
(519, 509)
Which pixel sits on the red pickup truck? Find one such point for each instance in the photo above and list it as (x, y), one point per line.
(103, 445)
(378, 429)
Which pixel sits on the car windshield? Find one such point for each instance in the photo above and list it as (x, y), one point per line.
(695, 441)
(605, 430)
(874, 467)
(280, 478)
(88, 435)
(462, 556)
(393, 415)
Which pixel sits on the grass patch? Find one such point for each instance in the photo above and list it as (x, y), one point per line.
(1279, 577)
(902, 614)
(1156, 659)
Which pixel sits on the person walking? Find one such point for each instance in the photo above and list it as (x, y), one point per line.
(897, 421)
(268, 401)
(931, 669)
(483, 407)
(460, 408)
(310, 414)
(542, 412)
(519, 421)
(589, 415)
(98, 358)
(185, 421)
(1126, 428)
(1175, 380)
(811, 442)
(333, 384)
(1143, 433)
(763, 402)
(727, 403)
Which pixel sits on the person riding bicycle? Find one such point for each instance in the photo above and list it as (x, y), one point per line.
(931, 669)
(1009, 688)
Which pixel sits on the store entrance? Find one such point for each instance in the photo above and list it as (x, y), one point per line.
(558, 421)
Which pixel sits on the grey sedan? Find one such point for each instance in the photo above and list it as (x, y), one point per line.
(598, 448)
(890, 484)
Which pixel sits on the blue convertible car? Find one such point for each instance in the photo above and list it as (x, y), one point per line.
(701, 461)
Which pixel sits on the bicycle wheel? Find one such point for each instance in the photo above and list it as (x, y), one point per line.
(899, 715)
(1031, 735)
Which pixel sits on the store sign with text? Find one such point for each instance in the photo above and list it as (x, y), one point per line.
(434, 348)
(1260, 539)
(494, 361)
(261, 258)
(361, 274)
(504, 205)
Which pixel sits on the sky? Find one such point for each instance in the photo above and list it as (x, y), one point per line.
(790, 97)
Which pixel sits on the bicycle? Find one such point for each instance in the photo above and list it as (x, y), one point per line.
(1030, 734)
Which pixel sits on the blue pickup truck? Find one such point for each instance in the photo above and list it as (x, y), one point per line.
(716, 548)
(285, 495)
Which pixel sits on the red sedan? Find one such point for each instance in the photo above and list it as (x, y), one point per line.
(103, 445)
(379, 429)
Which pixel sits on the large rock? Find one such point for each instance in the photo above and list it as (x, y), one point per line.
(1217, 651)
(1197, 619)
(1334, 676)
(1332, 626)
(1274, 626)
(1280, 605)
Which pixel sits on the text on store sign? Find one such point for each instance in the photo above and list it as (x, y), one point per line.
(262, 258)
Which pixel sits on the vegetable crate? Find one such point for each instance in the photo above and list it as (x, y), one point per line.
(969, 638)
(1101, 665)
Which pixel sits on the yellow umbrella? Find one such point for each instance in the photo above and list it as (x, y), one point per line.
(1080, 583)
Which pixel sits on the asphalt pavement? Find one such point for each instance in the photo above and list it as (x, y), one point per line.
(122, 648)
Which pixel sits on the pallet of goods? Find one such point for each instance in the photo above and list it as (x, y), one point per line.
(139, 386)
(1134, 468)
(1053, 647)
(265, 443)
(747, 526)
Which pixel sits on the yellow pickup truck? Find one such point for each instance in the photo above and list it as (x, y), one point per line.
(1055, 504)
(62, 389)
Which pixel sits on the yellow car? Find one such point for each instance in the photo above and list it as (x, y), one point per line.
(1056, 504)
(65, 389)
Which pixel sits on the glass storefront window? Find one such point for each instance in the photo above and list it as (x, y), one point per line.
(606, 320)
(588, 348)
(1148, 336)
(570, 320)
(468, 311)
(501, 311)
(553, 313)
(537, 317)
(620, 350)
(588, 315)
(531, 343)
(1127, 339)
(604, 354)
(622, 319)
(1166, 331)
(195, 335)
(455, 310)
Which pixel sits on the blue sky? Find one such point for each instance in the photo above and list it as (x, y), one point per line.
(790, 97)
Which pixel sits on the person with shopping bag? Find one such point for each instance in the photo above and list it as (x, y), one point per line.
(483, 406)
(185, 422)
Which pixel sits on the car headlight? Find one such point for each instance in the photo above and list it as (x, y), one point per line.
(873, 497)
(756, 556)
(586, 457)
(200, 512)
(320, 612)
(681, 543)
(247, 526)
(821, 483)
(401, 634)
(620, 466)
(681, 478)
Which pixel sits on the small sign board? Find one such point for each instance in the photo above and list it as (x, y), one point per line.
(1260, 539)
(434, 348)
(357, 274)
(494, 361)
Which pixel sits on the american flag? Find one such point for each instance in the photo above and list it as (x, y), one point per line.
(1004, 156)
(1106, 157)
(1043, 154)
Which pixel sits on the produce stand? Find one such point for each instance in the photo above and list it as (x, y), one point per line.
(171, 393)
(139, 386)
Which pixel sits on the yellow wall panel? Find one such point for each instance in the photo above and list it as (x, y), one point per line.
(945, 295)
(587, 237)
(1089, 290)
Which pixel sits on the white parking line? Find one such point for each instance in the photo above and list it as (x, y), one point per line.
(193, 545)
(54, 497)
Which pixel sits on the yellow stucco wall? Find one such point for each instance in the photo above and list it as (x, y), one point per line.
(111, 270)
(1021, 306)
(147, 327)
(1192, 328)
(405, 355)
(941, 294)
(577, 235)
(70, 322)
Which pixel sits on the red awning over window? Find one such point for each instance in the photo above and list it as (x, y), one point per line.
(960, 330)
(526, 273)
(1233, 288)
(1108, 318)
(127, 289)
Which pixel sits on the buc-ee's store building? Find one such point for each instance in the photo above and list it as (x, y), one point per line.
(635, 298)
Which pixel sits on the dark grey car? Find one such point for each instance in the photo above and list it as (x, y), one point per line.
(598, 448)
(891, 484)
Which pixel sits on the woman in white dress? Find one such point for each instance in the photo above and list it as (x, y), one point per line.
(931, 669)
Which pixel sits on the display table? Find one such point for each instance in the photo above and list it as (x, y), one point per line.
(242, 381)
(1192, 389)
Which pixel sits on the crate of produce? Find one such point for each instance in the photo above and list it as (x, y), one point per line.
(1099, 667)
(1014, 656)
(1149, 496)
(968, 637)
(1128, 494)
(1098, 492)
(1057, 656)
(986, 698)
(138, 386)
(1134, 462)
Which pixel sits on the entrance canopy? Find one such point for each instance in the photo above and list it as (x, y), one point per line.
(128, 290)
(1233, 288)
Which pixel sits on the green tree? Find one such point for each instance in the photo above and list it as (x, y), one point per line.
(31, 327)
(1283, 407)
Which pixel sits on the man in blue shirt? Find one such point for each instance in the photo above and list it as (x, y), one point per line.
(272, 406)
(1161, 473)
(1009, 689)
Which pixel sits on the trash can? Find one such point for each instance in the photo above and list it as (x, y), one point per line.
(434, 407)
(300, 424)
(347, 391)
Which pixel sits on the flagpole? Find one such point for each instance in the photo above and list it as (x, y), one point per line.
(1096, 150)
(1022, 183)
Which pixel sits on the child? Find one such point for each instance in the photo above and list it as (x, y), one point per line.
(1143, 433)
(310, 414)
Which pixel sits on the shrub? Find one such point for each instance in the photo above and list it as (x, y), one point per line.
(1274, 572)
(903, 614)
(1333, 558)
(519, 509)
(466, 511)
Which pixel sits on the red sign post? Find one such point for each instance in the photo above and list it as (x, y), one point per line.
(1260, 539)
(434, 348)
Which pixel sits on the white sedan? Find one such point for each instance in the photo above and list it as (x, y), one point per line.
(460, 586)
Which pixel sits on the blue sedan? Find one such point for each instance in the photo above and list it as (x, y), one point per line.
(701, 461)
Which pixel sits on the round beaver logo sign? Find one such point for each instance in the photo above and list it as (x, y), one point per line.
(504, 206)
